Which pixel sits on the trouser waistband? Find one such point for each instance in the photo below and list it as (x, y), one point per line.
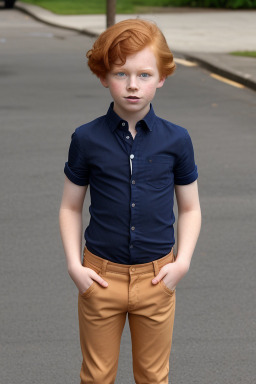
(109, 266)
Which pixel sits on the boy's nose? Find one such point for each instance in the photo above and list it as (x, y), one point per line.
(132, 83)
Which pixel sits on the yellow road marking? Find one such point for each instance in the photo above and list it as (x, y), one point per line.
(227, 81)
(185, 62)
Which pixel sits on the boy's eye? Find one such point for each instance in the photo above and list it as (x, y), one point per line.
(120, 74)
(144, 75)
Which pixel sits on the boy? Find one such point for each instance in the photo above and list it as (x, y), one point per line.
(132, 160)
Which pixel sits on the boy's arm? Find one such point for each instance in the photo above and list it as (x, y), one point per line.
(70, 218)
(188, 228)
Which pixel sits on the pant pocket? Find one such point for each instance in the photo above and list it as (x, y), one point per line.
(90, 290)
(167, 290)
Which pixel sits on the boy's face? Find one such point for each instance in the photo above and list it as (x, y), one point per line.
(133, 85)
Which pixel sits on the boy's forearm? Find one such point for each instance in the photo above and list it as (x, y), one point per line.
(188, 229)
(189, 223)
(71, 234)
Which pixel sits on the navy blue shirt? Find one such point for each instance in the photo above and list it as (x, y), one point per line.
(131, 184)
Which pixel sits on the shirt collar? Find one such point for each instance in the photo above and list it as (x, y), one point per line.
(114, 120)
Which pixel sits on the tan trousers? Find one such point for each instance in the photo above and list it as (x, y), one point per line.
(102, 314)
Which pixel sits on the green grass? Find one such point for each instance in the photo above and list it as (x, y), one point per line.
(244, 53)
(79, 7)
(69, 7)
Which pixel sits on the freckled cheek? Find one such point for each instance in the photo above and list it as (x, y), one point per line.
(150, 91)
(116, 88)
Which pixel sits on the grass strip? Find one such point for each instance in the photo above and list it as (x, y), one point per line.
(244, 53)
(84, 7)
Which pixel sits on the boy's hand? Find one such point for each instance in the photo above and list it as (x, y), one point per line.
(171, 274)
(83, 277)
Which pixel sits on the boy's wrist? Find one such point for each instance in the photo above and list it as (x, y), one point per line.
(182, 265)
(74, 268)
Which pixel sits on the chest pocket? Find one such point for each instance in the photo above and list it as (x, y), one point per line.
(159, 171)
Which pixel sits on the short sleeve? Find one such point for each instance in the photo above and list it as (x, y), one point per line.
(185, 171)
(77, 168)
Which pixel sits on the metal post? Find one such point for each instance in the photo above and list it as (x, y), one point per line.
(111, 12)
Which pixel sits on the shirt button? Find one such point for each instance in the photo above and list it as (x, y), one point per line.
(131, 156)
(127, 137)
(131, 246)
(133, 181)
(132, 228)
(123, 124)
(133, 205)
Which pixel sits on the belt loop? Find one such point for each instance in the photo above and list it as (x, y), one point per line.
(104, 267)
(156, 267)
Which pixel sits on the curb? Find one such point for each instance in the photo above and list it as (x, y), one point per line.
(222, 71)
(26, 9)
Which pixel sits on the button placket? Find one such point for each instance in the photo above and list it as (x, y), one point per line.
(131, 158)
(133, 188)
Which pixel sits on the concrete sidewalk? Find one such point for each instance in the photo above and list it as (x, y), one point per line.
(204, 36)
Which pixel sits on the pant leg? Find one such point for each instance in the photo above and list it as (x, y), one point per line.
(102, 315)
(151, 324)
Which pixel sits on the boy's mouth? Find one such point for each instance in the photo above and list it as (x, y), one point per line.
(132, 97)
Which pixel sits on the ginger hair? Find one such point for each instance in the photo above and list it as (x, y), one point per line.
(127, 38)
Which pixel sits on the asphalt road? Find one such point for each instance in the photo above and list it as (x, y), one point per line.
(46, 92)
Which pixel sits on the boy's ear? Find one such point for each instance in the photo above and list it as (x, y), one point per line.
(161, 82)
(104, 82)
